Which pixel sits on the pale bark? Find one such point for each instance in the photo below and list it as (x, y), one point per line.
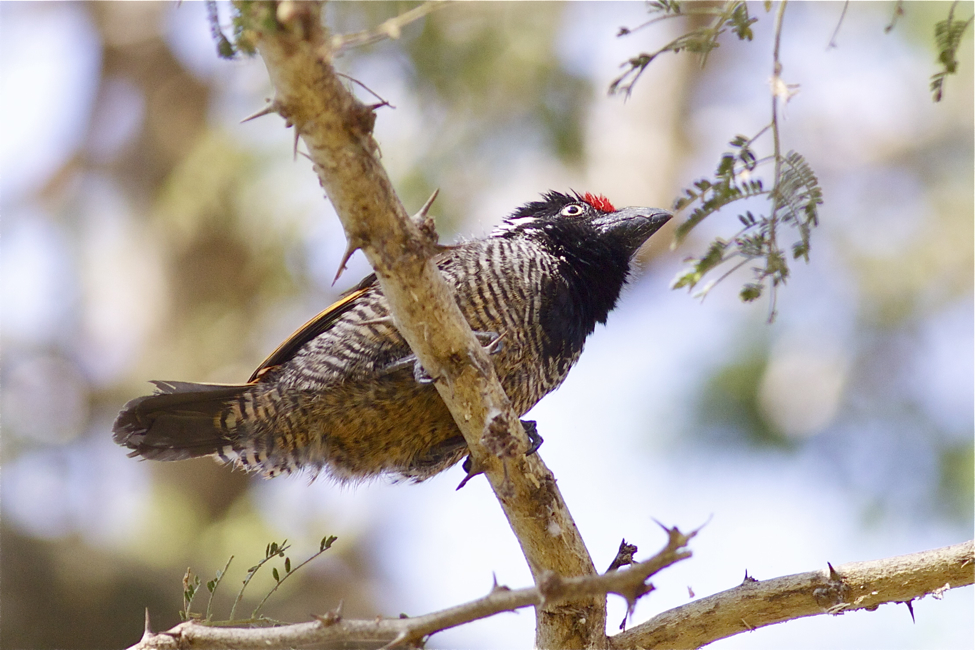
(753, 604)
(848, 587)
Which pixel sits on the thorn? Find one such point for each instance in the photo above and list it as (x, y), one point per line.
(331, 617)
(910, 608)
(694, 532)
(833, 574)
(748, 578)
(267, 110)
(426, 206)
(666, 529)
(147, 633)
(425, 223)
(639, 592)
(350, 249)
(496, 587)
(296, 144)
(471, 470)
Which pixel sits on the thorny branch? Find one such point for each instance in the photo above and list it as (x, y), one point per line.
(630, 583)
(753, 604)
(846, 588)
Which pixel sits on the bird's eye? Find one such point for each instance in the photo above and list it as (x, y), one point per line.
(572, 210)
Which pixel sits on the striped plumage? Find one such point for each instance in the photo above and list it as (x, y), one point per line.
(343, 395)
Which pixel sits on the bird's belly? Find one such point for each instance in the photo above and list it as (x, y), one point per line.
(358, 430)
(391, 423)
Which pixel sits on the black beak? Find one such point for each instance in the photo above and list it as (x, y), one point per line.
(631, 227)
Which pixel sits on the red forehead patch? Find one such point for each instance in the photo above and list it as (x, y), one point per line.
(599, 202)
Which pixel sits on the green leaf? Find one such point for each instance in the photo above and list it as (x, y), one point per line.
(688, 279)
(947, 36)
(750, 292)
(726, 166)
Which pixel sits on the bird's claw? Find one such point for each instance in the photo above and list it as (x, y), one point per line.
(420, 374)
(492, 341)
(534, 440)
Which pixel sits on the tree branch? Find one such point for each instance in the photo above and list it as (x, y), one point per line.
(849, 587)
(753, 604)
(551, 590)
(337, 130)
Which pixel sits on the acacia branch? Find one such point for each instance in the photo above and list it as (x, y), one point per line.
(337, 131)
(753, 604)
(551, 590)
(849, 587)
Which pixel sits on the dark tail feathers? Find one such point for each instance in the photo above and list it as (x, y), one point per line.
(180, 420)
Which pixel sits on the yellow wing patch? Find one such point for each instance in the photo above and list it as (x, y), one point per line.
(320, 323)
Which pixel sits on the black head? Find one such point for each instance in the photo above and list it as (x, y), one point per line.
(594, 243)
(576, 218)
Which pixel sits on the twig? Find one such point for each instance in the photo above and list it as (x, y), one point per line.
(839, 23)
(751, 605)
(898, 12)
(325, 545)
(213, 584)
(552, 590)
(269, 555)
(388, 29)
(778, 87)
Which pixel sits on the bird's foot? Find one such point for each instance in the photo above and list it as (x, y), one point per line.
(534, 440)
(419, 373)
(492, 341)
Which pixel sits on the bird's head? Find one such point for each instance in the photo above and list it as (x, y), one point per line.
(594, 244)
(587, 220)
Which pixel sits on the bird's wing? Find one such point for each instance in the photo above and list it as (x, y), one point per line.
(320, 323)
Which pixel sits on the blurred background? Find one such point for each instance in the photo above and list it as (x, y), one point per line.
(146, 234)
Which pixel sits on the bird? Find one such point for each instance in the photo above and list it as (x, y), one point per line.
(345, 396)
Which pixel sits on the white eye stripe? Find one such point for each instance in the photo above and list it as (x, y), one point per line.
(510, 224)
